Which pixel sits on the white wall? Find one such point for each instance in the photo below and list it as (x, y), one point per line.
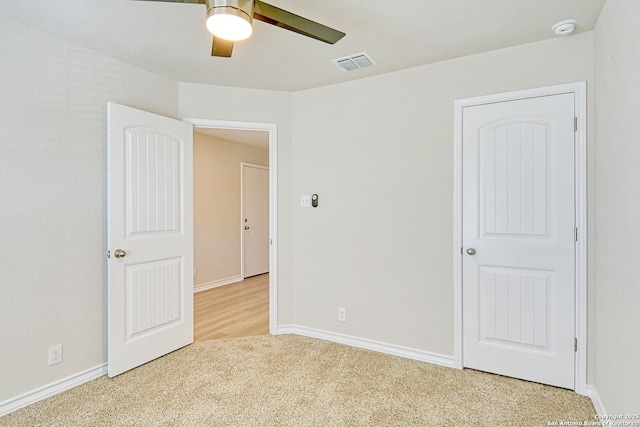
(53, 97)
(617, 68)
(379, 152)
(216, 195)
(260, 106)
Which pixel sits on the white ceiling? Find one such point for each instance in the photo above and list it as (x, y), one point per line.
(170, 39)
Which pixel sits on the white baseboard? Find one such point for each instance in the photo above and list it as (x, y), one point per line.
(595, 398)
(409, 353)
(52, 389)
(217, 283)
(395, 350)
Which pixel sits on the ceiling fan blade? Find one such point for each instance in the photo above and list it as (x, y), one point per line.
(179, 1)
(281, 18)
(221, 47)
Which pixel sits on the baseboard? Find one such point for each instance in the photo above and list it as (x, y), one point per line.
(217, 283)
(595, 398)
(52, 389)
(381, 347)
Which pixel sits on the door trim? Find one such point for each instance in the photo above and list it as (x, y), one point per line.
(272, 128)
(242, 234)
(579, 89)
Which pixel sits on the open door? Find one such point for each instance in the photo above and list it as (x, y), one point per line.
(150, 236)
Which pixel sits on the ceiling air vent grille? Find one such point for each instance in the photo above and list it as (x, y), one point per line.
(355, 62)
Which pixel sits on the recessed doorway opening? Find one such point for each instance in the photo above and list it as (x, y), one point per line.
(228, 302)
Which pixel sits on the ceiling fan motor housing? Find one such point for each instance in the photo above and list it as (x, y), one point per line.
(240, 8)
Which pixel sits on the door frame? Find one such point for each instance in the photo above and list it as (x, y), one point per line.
(272, 128)
(242, 234)
(579, 89)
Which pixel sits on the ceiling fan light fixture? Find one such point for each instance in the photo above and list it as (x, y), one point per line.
(230, 19)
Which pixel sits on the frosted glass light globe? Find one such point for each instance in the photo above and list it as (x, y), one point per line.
(229, 27)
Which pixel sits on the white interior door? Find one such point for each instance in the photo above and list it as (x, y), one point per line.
(518, 239)
(255, 219)
(150, 236)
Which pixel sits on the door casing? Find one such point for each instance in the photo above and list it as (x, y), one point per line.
(272, 128)
(579, 89)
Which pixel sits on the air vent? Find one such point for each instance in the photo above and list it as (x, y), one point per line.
(355, 62)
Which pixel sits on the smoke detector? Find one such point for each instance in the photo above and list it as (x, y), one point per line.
(355, 61)
(564, 28)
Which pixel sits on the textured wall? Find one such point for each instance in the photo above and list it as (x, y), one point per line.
(379, 152)
(53, 169)
(617, 64)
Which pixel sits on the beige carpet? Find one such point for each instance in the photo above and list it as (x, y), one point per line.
(296, 381)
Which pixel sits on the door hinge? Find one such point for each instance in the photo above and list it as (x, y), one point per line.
(575, 233)
(575, 345)
(575, 124)
(271, 241)
(108, 254)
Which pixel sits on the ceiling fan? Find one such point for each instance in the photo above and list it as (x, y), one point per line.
(231, 20)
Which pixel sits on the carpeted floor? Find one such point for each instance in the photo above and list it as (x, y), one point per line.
(296, 381)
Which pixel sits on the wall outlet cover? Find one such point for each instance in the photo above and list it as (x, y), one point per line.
(55, 354)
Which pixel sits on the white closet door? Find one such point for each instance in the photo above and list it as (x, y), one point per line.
(518, 238)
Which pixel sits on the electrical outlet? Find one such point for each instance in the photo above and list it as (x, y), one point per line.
(55, 354)
(342, 314)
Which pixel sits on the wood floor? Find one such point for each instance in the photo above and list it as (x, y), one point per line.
(237, 310)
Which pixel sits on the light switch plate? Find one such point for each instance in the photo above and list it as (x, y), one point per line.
(305, 201)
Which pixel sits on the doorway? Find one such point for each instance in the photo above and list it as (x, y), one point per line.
(520, 181)
(271, 131)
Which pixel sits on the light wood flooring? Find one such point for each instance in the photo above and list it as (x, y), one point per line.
(237, 310)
